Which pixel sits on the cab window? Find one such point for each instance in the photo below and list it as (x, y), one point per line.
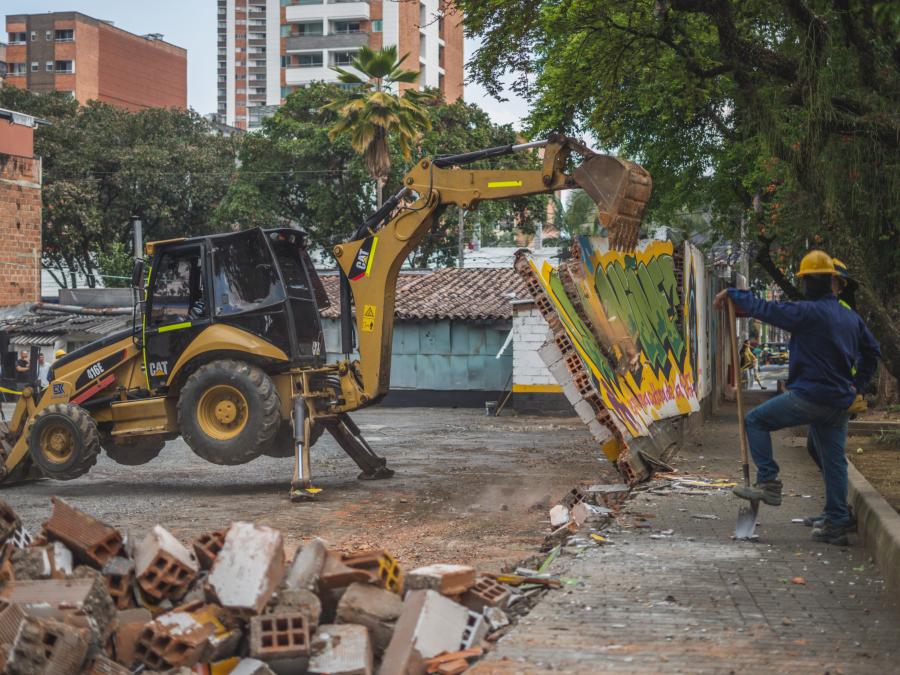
(245, 278)
(178, 288)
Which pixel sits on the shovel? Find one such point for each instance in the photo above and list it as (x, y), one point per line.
(746, 520)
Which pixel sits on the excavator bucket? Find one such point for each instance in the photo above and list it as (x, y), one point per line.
(621, 190)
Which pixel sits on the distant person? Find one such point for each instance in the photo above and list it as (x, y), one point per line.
(827, 342)
(43, 371)
(23, 366)
(749, 364)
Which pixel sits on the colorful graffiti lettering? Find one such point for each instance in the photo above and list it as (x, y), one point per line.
(634, 326)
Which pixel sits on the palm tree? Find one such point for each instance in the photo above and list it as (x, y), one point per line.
(372, 111)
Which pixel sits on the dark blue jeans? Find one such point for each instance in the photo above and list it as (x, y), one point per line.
(828, 431)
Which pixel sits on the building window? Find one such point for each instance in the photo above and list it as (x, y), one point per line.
(34, 66)
(33, 35)
(310, 60)
(346, 27)
(342, 58)
(65, 35)
(16, 68)
(441, 56)
(18, 38)
(377, 25)
(48, 66)
(441, 82)
(308, 28)
(65, 66)
(48, 35)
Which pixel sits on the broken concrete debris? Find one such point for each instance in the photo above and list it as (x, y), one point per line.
(93, 542)
(229, 603)
(450, 580)
(248, 569)
(163, 566)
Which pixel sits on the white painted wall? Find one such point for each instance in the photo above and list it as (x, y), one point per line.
(229, 64)
(530, 331)
(273, 52)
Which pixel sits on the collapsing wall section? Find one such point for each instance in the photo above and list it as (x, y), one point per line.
(629, 344)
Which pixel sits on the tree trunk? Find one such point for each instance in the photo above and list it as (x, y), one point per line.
(379, 191)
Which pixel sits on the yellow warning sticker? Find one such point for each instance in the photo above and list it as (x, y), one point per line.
(504, 183)
(368, 321)
(369, 311)
(368, 325)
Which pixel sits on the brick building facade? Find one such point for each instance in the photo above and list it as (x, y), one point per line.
(269, 48)
(20, 211)
(94, 60)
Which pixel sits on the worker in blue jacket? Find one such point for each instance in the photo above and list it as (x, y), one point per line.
(827, 341)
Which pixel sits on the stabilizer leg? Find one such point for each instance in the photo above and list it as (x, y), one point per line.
(301, 485)
(349, 437)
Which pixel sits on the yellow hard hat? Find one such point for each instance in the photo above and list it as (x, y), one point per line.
(816, 262)
(59, 353)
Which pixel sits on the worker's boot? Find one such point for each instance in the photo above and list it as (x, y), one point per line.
(832, 533)
(819, 521)
(768, 492)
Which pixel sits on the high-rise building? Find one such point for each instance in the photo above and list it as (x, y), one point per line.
(94, 60)
(268, 48)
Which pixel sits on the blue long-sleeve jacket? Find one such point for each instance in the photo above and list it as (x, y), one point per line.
(827, 341)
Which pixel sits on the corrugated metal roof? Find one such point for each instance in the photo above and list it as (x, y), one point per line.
(40, 324)
(452, 293)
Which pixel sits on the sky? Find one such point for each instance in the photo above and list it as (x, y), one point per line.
(192, 24)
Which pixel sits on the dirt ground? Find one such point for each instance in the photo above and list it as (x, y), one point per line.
(468, 488)
(879, 462)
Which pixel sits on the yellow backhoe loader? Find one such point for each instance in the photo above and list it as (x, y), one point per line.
(226, 348)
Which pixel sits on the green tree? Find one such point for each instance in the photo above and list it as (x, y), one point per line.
(103, 165)
(292, 174)
(371, 114)
(778, 118)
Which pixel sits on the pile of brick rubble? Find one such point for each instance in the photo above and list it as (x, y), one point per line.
(81, 598)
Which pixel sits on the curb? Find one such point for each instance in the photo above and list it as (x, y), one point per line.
(879, 526)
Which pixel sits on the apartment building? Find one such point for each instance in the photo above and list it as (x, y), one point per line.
(94, 60)
(2, 62)
(268, 48)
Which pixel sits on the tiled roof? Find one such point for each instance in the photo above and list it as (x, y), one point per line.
(453, 293)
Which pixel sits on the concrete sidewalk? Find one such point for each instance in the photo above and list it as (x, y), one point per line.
(694, 601)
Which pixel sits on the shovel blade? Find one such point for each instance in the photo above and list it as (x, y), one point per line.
(746, 520)
(621, 190)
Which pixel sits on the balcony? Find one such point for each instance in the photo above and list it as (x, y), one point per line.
(334, 41)
(301, 75)
(341, 10)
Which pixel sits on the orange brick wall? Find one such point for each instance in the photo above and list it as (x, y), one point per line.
(453, 54)
(87, 62)
(408, 38)
(20, 230)
(137, 73)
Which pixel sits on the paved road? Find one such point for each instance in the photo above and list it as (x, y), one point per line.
(465, 490)
(697, 602)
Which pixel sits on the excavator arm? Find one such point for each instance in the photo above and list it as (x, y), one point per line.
(371, 262)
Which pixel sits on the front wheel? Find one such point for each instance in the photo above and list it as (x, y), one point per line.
(228, 412)
(63, 442)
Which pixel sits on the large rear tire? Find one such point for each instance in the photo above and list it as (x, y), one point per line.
(283, 443)
(63, 442)
(229, 412)
(132, 452)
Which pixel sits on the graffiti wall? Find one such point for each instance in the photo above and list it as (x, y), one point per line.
(638, 322)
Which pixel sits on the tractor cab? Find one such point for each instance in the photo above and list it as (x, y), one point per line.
(260, 282)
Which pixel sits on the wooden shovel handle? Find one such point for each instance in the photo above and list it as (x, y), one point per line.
(738, 390)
